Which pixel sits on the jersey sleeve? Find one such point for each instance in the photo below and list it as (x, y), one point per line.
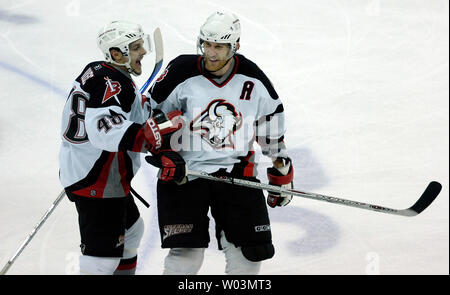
(111, 130)
(270, 125)
(170, 103)
(108, 121)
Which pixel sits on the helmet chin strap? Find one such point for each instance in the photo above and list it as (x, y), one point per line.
(126, 65)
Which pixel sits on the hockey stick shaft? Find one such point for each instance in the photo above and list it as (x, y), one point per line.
(33, 232)
(424, 201)
(159, 55)
(137, 196)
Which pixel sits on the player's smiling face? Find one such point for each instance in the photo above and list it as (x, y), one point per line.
(215, 55)
(137, 52)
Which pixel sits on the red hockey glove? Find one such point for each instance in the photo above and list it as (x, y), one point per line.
(159, 128)
(171, 164)
(283, 177)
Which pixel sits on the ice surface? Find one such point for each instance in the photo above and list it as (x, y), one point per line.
(365, 89)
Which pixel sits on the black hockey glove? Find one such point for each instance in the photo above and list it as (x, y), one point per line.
(283, 177)
(172, 165)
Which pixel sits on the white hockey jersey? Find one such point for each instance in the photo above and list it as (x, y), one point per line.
(221, 121)
(101, 133)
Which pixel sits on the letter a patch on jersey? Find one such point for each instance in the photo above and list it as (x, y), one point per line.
(113, 88)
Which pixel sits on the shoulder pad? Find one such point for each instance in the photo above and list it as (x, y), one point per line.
(250, 69)
(106, 86)
(177, 71)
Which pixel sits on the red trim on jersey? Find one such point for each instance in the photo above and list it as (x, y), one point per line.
(106, 66)
(139, 141)
(123, 173)
(99, 186)
(143, 100)
(248, 169)
(199, 65)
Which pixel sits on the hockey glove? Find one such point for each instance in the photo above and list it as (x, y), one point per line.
(283, 177)
(171, 164)
(159, 128)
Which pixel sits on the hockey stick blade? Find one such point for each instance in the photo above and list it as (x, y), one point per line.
(424, 201)
(431, 192)
(159, 55)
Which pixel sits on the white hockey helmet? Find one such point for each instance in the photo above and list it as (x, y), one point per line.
(119, 35)
(220, 27)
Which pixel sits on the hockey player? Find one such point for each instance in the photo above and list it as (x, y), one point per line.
(227, 104)
(105, 127)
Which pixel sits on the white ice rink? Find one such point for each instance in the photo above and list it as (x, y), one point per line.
(365, 85)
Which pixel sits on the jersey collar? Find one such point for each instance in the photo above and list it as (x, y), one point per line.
(207, 75)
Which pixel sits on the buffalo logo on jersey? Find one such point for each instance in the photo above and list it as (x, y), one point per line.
(113, 88)
(217, 123)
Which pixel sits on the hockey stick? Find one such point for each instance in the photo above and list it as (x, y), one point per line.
(33, 232)
(137, 196)
(41, 222)
(428, 196)
(159, 53)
